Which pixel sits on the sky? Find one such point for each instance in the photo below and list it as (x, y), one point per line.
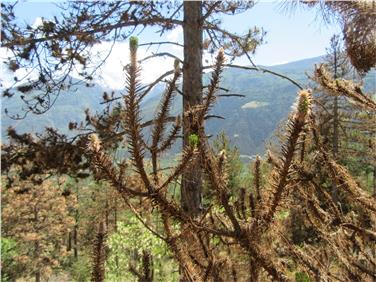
(291, 36)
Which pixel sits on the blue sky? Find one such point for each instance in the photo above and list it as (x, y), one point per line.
(290, 37)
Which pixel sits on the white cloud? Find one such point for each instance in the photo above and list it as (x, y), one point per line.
(112, 75)
(37, 22)
(7, 76)
(175, 35)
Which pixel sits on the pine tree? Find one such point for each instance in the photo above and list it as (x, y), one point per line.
(37, 216)
(241, 235)
(332, 107)
(85, 24)
(348, 130)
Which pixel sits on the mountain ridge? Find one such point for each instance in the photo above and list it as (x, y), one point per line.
(249, 122)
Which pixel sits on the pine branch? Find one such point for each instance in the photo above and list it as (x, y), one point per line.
(338, 87)
(344, 180)
(132, 119)
(167, 143)
(188, 155)
(160, 119)
(209, 99)
(104, 168)
(295, 127)
(257, 180)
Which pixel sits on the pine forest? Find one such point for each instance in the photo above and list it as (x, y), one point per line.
(160, 141)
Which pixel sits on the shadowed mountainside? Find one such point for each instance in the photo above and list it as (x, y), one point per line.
(248, 121)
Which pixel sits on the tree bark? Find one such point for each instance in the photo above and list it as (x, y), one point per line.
(75, 229)
(374, 181)
(192, 90)
(335, 128)
(36, 248)
(69, 245)
(37, 276)
(75, 242)
(192, 95)
(115, 230)
(335, 110)
(335, 140)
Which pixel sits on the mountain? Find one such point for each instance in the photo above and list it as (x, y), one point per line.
(69, 106)
(248, 121)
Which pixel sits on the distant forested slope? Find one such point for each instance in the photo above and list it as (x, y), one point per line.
(248, 121)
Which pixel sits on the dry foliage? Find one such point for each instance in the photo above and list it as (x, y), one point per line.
(37, 216)
(357, 18)
(246, 235)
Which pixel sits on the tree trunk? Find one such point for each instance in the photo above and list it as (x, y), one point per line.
(75, 228)
(75, 242)
(254, 271)
(335, 140)
(36, 248)
(192, 90)
(115, 216)
(37, 276)
(335, 111)
(69, 245)
(374, 181)
(335, 128)
(192, 95)
(115, 230)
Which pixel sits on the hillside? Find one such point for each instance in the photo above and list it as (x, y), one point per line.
(248, 121)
